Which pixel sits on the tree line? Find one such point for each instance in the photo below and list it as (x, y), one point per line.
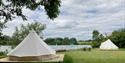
(117, 36)
(61, 41)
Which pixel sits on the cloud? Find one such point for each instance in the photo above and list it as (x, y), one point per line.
(78, 18)
(12, 24)
(64, 24)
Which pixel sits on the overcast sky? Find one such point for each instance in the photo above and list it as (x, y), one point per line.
(78, 18)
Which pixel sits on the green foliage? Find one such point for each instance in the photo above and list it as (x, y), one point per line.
(52, 8)
(5, 40)
(61, 41)
(96, 44)
(85, 43)
(95, 34)
(118, 37)
(97, 38)
(1, 28)
(2, 25)
(3, 53)
(14, 8)
(50, 41)
(66, 41)
(21, 32)
(73, 41)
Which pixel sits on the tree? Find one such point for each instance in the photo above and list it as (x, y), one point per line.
(101, 36)
(97, 38)
(54, 41)
(1, 34)
(118, 37)
(95, 34)
(50, 41)
(21, 32)
(16, 37)
(61, 41)
(1, 27)
(73, 41)
(5, 40)
(66, 41)
(9, 9)
(58, 41)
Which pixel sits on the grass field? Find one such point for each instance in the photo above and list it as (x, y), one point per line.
(93, 56)
(96, 56)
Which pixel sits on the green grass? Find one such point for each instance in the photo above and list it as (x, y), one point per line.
(97, 56)
(93, 56)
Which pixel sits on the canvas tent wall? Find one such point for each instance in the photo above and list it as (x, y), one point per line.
(32, 47)
(108, 45)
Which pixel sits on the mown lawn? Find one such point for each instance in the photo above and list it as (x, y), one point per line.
(93, 56)
(96, 56)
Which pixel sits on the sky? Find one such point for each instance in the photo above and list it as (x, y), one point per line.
(78, 18)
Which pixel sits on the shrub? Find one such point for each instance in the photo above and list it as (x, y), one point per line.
(2, 53)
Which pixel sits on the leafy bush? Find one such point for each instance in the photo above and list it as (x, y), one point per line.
(118, 37)
(96, 44)
(2, 53)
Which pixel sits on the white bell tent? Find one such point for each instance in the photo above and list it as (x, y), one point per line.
(32, 45)
(108, 45)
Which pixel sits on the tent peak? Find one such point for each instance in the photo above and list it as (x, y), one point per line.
(32, 45)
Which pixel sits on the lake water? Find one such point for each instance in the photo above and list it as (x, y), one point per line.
(55, 47)
(69, 47)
